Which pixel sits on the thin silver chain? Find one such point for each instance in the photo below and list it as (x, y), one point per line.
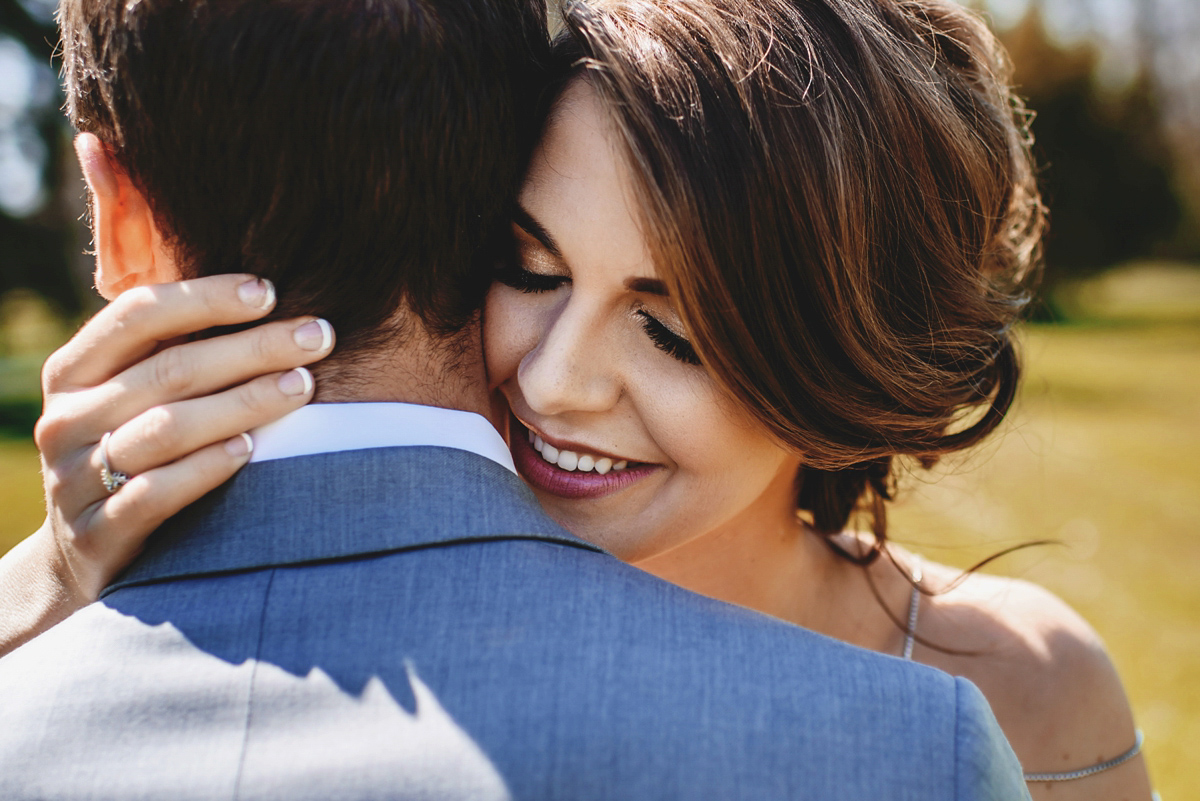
(1094, 769)
(910, 637)
(914, 606)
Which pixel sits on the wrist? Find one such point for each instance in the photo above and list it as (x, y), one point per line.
(65, 569)
(38, 588)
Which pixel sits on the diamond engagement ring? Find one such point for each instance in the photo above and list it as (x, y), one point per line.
(113, 479)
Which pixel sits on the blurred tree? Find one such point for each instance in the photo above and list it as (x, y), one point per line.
(40, 189)
(1116, 84)
(1109, 174)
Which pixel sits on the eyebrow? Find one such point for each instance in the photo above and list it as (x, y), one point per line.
(651, 286)
(529, 225)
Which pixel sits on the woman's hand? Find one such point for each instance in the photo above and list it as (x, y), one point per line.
(177, 411)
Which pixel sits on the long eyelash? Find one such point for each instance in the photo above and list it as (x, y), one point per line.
(518, 277)
(667, 340)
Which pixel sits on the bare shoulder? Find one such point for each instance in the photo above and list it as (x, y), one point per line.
(1044, 670)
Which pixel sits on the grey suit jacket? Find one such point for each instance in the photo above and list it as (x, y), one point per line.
(406, 623)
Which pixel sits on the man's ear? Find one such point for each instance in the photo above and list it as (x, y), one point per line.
(130, 250)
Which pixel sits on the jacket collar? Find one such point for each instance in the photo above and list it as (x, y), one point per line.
(343, 505)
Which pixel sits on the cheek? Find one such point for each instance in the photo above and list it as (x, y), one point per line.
(509, 332)
(716, 447)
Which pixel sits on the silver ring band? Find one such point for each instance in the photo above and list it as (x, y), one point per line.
(113, 480)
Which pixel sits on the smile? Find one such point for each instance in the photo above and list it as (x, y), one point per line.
(570, 473)
(570, 460)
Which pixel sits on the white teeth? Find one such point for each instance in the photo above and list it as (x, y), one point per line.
(531, 435)
(571, 461)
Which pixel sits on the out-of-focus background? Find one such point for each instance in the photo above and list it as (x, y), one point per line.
(1102, 453)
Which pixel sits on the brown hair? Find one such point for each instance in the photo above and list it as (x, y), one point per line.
(360, 153)
(840, 196)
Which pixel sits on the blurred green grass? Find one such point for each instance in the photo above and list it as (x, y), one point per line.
(29, 331)
(1101, 452)
(21, 509)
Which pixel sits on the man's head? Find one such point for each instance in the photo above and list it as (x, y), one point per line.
(359, 153)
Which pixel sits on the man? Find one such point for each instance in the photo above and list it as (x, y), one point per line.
(377, 607)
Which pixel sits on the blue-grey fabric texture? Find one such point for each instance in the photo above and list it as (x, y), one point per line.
(406, 623)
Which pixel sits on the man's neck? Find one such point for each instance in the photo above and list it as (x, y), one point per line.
(421, 368)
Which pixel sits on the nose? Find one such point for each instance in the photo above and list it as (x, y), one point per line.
(573, 367)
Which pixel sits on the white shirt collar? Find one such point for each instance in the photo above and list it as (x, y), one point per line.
(330, 427)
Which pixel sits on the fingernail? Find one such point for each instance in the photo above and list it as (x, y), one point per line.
(259, 293)
(296, 382)
(241, 445)
(314, 335)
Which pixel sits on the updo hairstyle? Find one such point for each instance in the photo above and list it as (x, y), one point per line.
(840, 197)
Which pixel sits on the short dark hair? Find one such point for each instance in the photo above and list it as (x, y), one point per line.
(359, 153)
(841, 198)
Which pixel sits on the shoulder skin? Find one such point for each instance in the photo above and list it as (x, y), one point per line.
(1046, 673)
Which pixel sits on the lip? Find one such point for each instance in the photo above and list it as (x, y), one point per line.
(571, 484)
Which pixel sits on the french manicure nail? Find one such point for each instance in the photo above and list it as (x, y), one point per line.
(315, 335)
(241, 445)
(259, 293)
(296, 382)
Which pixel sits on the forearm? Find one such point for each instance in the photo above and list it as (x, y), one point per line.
(35, 592)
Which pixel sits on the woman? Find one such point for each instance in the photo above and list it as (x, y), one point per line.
(764, 251)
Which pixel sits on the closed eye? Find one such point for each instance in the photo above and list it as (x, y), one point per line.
(517, 277)
(667, 340)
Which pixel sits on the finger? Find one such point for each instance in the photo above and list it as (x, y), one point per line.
(182, 372)
(164, 434)
(200, 368)
(118, 527)
(137, 322)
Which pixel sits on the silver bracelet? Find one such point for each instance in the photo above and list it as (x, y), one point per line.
(1094, 769)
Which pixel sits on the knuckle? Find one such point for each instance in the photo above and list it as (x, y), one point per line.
(132, 503)
(66, 492)
(49, 430)
(213, 298)
(140, 509)
(53, 370)
(158, 425)
(171, 371)
(96, 538)
(261, 397)
(217, 295)
(273, 344)
(133, 306)
(262, 345)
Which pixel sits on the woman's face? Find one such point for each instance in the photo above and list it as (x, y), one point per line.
(634, 447)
